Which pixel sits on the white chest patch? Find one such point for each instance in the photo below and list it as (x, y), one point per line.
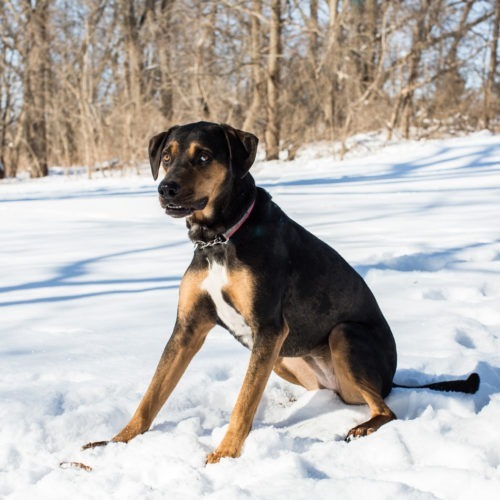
(215, 281)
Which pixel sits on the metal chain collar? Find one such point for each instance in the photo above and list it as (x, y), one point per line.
(223, 239)
(218, 240)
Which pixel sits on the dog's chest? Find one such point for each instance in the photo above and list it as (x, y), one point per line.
(216, 284)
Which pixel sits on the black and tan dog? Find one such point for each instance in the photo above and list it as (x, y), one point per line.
(283, 293)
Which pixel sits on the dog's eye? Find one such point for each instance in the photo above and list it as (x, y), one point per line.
(166, 158)
(204, 158)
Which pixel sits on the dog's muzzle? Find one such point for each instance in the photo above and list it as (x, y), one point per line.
(175, 204)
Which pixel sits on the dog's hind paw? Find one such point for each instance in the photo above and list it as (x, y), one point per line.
(358, 432)
(370, 426)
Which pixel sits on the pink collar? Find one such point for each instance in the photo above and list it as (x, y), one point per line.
(223, 239)
(232, 230)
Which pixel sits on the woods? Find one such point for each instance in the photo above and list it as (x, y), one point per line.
(88, 82)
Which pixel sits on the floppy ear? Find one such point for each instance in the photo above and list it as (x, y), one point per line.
(242, 148)
(155, 150)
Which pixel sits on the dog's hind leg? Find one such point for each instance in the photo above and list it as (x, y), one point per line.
(297, 371)
(364, 362)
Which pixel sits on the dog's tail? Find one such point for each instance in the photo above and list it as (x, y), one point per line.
(469, 385)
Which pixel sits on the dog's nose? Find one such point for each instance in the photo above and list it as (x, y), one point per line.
(169, 189)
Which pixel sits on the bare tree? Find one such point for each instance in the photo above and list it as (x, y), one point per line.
(9, 88)
(257, 81)
(36, 68)
(160, 23)
(272, 133)
(425, 18)
(490, 86)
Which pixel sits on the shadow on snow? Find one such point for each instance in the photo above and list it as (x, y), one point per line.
(482, 157)
(446, 259)
(67, 276)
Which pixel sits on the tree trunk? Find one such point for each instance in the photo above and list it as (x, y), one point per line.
(364, 40)
(132, 21)
(133, 51)
(163, 43)
(331, 58)
(257, 79)
(4, 108)
(272, 133)
(493, 64)
(313, 32)
(35, 86)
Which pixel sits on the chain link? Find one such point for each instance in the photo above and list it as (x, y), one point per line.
(218, 240)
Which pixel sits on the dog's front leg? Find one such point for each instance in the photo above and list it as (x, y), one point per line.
(194, 321)
(265, 351)
(179, 351)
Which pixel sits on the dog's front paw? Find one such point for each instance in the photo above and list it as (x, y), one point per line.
(222, 452)
(130, 431)
(213, 458)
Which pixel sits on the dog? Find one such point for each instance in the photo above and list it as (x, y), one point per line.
(287, 296)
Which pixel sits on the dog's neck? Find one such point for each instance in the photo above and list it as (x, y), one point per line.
(232, 208)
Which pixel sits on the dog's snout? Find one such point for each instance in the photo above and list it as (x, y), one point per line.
(169, 189)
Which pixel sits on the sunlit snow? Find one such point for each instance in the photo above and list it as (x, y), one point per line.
(89, 272)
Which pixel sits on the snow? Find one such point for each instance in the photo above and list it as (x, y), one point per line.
(89, 272)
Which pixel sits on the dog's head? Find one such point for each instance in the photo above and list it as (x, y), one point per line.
(200, 160)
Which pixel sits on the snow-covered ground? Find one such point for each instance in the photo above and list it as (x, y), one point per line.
(89, 272)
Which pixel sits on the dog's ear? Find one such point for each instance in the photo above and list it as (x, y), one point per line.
(242, 148)
(156, 145)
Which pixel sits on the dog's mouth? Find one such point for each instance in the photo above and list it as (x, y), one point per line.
(184, 209)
